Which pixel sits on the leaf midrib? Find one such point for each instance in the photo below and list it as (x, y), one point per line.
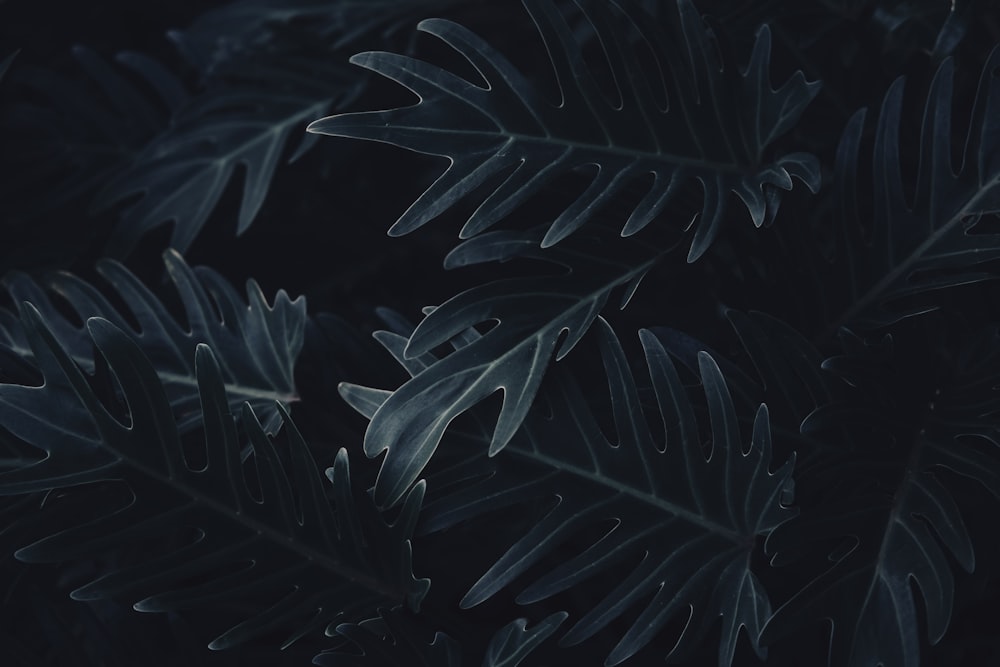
(653, 500)
(634, 154)
(232, 388)
(185, 380)
(257, 131)
(873, 293)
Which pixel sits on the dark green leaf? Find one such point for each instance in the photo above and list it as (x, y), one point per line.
(897, 519)
(257, 343)
(683, 534)
(246, 122)
(715, 128)
(532, 315)
(295, 561)
(918, 247)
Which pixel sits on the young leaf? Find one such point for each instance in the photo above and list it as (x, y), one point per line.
(531, 313)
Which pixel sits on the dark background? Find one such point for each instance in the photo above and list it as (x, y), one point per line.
(321, 232)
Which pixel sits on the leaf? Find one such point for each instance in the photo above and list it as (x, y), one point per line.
(258, 343)
(897, 520)
(245, 122)
(531, 315)
(287, 545)
(715, 129)
(682, 525)
(919, 248)
(392, 639)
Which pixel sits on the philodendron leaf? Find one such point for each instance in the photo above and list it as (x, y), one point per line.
(532, 315)
(240, 128)
(899, 522)
(290, 552)
(715, 126)
(899, 254)
(685, 520)
(257, 342)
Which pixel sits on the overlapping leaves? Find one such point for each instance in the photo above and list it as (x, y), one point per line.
(144, 139)
(531, 316)
(689, 117)
(258, 343)
(683, 520)
(263, 533)
(895, 516)
(881, 454)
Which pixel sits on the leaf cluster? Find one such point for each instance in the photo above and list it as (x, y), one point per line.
(594, 332)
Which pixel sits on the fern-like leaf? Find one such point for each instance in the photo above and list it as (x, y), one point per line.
(531, 314)
(715, 128)
(919, 247)
(302, 562)
(898, 520)
(258, 343)
(183, 173)
(685, 524)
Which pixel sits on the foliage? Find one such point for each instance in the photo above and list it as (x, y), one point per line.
(661, 403)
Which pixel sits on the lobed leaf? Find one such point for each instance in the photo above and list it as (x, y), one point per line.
(919, 247)
(531, 317)
(715, 128)
(896, 520)
(283, 552)
(245, 123)
(258, 342)
(682, 522)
